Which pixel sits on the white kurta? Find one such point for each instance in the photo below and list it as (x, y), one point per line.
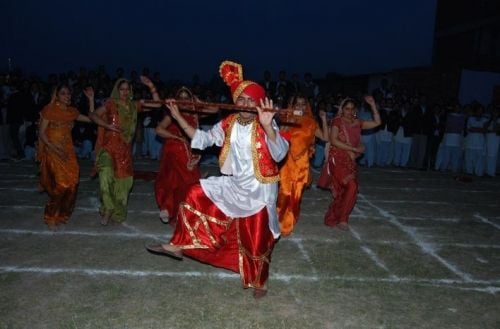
(239, 193)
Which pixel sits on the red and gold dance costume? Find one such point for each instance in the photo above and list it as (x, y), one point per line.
(230, 221)
(343, 170)
(294, 172)
(178, 169)
(58, 176)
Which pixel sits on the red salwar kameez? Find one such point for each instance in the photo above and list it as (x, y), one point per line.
(178, 170)
(230, 221)
(342, 168)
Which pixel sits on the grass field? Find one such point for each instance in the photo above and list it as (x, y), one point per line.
(423, 251)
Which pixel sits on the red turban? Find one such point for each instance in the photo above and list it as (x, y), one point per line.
(232, 74)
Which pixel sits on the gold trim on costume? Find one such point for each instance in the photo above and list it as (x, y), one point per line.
(254, 145)
(261, 259)
(231, 63)
(227, 140)
(240, 88)
(203, 220)
(255, 157)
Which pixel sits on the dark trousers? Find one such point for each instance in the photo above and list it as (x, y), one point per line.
(14, 136)
(418, 151)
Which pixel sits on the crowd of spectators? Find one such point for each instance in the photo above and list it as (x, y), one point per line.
(417, 131)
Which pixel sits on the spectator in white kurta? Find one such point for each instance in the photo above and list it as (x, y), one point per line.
(475, 144)
(451, 145)
(492, 141)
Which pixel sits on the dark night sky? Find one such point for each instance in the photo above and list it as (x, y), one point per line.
(182, 38)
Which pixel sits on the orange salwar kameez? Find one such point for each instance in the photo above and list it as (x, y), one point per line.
(58, 176)
(294, 173)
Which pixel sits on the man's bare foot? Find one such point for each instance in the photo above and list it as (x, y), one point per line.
(52, 226)
(105, 218)
(343, 226)
(165, 249)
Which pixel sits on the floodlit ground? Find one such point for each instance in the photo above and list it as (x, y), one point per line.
(423, 252)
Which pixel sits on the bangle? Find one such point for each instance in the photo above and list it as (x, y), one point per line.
(185, 127)
(152, 90)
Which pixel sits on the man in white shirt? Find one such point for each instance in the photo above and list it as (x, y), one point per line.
(231, 221)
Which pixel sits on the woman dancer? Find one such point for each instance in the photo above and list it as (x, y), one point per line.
(117, 120)
(345, 137)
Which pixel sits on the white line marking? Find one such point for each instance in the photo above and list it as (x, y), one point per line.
(490, 290)
(412, 202)
(452, 283)
(20, 189)
(465, 245)
(296, 237)
(424, 246)
(373, 256)
(305, 255)
(487, 221)
(132, 228)
(482, 260)
(411, 189)
(437, 219)
(134, 235)
(83, 209)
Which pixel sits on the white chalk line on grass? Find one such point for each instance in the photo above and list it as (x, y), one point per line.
(373, 256)
(131, 227)
(411, 202)
(447, 283)
(305, 255)
(412, 179)
(134, 235)
(436, 219)
(417, 189)
(487, 221)
(20, 175)
(83, 209)
(19, 189)
(490, 290)
(165, 236)
(31, 178)
(440, 203)
(358, 213)
(424, 246)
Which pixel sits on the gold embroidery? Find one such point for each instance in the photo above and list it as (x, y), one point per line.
(240, 68)
(242, 252)
(256, 156)
(203, 220)
(227, 141)
(240, 89)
